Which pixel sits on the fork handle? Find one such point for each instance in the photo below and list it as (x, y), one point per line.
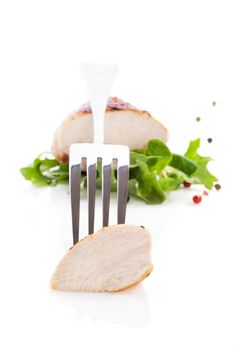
(99, 79)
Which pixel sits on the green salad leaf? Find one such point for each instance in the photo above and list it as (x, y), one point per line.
(146, 186)
(156, 149)
(201, 175)
(46, 172)
(183, 164)
(154, 171)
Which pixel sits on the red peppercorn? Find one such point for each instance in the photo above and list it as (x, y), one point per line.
(205, 193)
(186, 184)
(197, 199)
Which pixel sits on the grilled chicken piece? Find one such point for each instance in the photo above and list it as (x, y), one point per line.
(111, 260)
(124, 125)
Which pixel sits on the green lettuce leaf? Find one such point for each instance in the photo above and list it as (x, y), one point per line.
(159, 155)
(183, 163)
(46, 172)
(170, 183)
(146, 187)
(201, 175)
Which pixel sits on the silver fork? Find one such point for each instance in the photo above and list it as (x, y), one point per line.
(99, 79)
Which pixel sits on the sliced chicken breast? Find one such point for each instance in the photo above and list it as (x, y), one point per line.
(124, 125)
(111, 260)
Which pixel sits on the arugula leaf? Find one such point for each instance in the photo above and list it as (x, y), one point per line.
(201, 174)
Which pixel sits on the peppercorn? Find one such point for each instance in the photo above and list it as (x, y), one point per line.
(198, 119)
(217, 187)
(197, 199)
(209, 139)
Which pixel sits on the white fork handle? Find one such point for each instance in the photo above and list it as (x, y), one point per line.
(99, 79)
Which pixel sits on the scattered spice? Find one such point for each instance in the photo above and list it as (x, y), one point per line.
(186, 184)
(209, 139)
(217, 187)
(197, 199)
(198, 119)
(205, 193)
(213, 103)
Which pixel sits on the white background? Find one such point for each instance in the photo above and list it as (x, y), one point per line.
(175, 59)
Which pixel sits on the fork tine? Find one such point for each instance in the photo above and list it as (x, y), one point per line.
(106, 177)
(122, 192)
(91, 187)
(89, 155)
(75, 200)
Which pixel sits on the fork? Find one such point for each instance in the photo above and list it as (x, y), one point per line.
(99, 79)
